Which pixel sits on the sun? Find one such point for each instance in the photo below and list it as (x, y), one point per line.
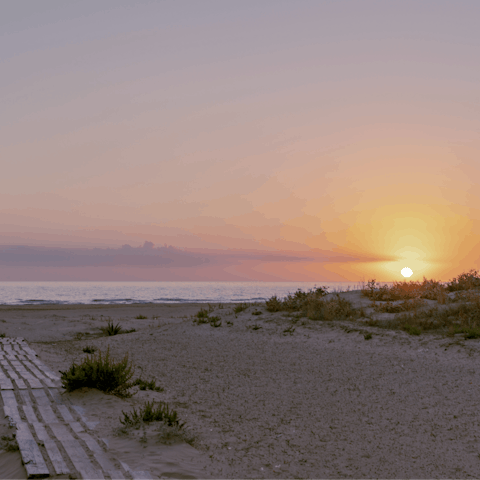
(407, 272)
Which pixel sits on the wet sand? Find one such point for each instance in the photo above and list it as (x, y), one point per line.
(301, 398)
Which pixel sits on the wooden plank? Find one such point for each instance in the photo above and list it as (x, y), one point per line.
(47, 414)
(41, 366)
(67, 416)
(40, 396)
(20, 384)
(141, 475)
(53, 452)
(31, 455)
(76, 453)
(12, 414)
(18, 381)
(98, 453)
(29, 351)
(5, 382)
(29, 378)
(8, 397)
(38, 374)
(137, 474)
(116, 474)
(30, 414)
(56, 396)
(81, 412)
(25, 397)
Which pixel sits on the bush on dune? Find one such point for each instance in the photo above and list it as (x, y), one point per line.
(102, 373)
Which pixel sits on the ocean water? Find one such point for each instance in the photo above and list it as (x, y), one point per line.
(28, 293)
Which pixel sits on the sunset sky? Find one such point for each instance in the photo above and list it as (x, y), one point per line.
(260, 140)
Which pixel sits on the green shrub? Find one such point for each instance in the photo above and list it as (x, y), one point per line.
(471, 333)
(89, 349)
(412, 330)
(144, 385)
(202, 313)
(111, 329)
(101, 373)
(273, 304)
(298, 302)
(240, 308)
(215, 321)
(367, 336)
(150, 413)
(9, 444)
(140, 317)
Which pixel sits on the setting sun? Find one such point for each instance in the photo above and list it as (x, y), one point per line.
(407, 272)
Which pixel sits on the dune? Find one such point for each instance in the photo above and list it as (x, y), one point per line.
(268, 395)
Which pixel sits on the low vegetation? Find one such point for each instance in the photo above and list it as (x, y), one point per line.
(9, 443)
(100, 372)
(240, 308)
(458, 315)
(202, 316)
(111, 329)
(152, 412)
(145, 385)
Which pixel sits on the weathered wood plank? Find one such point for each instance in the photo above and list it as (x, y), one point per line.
(47, 414)
(8, 397)
(37, 373)
(41, 366)
(137, 474)
(29, 351)
(81, 412)
(31, 455)
(18, 381)
(67, 416)
(5, 382)
(25, 397)
(29, 378)
(76, 453)
(56, 396)
(40, 396)
(98, 453)
(30, 414)
(12, 413)
(141, 475)
(53, 452)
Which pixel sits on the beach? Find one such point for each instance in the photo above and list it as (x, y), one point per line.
(268, 395)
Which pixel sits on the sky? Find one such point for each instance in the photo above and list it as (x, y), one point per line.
(242, 140)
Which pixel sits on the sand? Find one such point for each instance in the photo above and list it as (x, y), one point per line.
(320, 402)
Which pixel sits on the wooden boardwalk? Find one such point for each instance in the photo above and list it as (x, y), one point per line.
(53, 435)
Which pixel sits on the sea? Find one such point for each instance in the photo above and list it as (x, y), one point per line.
(41, 293)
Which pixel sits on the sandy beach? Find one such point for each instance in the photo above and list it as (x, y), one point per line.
(265, 396)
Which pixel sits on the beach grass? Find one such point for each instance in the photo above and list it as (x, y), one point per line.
(102, 373)
(112, 329)
(147, 385)
(152, 412)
